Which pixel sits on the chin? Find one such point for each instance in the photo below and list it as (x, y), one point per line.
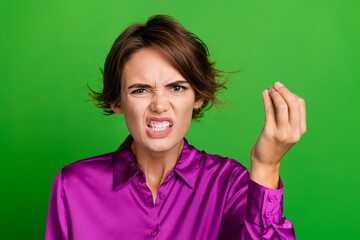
(162, 144)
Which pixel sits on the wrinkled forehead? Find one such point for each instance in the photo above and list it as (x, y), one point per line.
(149, 66)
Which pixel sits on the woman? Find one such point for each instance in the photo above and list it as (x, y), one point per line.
(157, 185)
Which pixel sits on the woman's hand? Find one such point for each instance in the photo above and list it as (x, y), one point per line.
(285, 123)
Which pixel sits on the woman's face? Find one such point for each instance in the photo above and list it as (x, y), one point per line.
(157, 101)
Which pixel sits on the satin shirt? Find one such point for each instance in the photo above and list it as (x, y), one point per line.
(204, 197)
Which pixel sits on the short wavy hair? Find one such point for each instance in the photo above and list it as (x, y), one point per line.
(186, 52)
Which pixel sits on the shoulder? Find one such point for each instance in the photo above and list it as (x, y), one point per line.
(231, 176)
(228, 173)
(87, 167)
(222, 164)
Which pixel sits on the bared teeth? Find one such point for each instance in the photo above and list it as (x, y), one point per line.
(159, 126)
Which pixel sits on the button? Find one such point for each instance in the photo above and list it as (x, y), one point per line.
(149, 197)
(272, 198)
(154, 232)
(267, 214)
(162, 195)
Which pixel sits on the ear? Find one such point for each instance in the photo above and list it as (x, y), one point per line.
(116, 109)
(198, 103)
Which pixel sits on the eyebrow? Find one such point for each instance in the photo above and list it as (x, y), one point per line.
(140, 85)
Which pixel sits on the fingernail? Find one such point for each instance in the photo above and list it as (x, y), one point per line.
(266, 92)
(272, 89)
(278, 84)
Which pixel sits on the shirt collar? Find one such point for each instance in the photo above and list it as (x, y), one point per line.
(125, 167)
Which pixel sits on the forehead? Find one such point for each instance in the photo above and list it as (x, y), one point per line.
(149, 65)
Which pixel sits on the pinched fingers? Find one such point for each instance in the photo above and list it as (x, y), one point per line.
(281, 109)
(286, 111)
(297, 109)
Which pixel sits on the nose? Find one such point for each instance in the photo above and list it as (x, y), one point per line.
(159, 103)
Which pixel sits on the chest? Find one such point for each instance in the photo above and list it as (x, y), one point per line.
(173, 209)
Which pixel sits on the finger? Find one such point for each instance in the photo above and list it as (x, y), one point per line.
(269, 110)
(293, 104)
(303, 115)
(281, 109)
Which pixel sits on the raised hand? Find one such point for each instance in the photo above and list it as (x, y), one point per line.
(285, 123)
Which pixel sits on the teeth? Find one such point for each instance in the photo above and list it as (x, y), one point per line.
(155, 126)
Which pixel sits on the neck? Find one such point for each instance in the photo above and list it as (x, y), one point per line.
(156, 165)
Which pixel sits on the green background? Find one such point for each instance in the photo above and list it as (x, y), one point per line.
(50, 50)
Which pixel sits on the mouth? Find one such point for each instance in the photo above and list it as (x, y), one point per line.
(159, 127)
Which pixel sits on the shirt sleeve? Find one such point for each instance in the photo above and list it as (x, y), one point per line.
(58, 224)
(254, 211)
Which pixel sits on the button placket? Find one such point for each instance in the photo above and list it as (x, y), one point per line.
(162, 195)
(271, 198)
(154, 232)
(150, 201)
(267, 219)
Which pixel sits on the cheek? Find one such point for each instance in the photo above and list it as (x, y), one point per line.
(134, 111)
(184, 116)
(184, 108)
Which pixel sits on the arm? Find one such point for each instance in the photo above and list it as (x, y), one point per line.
(285, 123)
(254, 211)
(58, 224)
(259, 216)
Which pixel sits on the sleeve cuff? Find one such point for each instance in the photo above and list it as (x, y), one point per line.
(264, 205)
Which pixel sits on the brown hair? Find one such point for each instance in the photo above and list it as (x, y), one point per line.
(187, 53)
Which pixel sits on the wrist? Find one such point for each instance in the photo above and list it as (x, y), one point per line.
(265, 175)
(266, 167)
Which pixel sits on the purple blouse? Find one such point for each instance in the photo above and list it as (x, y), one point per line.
(204, 197)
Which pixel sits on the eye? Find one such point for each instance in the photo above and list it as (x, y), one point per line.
(178, 88)
(138, 91)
